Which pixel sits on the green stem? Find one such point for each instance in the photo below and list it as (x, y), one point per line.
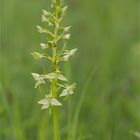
(55, 125)
(58, 2)
(54, 87)
(54, 93)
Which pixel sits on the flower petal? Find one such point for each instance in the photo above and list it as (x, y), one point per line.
(35, 76)
(43, 101)
(55, 102)
(62, 77)
(45, 106)
(64, 93)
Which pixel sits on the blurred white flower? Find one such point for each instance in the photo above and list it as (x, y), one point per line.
(49, 101)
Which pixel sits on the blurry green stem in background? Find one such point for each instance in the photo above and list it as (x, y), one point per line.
(79, 106)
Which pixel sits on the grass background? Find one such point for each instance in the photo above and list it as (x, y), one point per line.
(106, 104)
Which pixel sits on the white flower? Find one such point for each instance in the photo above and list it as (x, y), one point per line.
(45, 13)
(66, 29)
(68, 90)
(39, 28)
(37, 55)
(68, 54)
(50, 24)
(44, 19)
(38, 78)
(66, 36)
(64, 10)
(35, 76)
(49, 101)
(43, 46)
(50, 76)
(57, 25)
(56, 75)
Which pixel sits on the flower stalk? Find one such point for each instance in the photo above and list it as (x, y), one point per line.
(54, 93)
(57, 34)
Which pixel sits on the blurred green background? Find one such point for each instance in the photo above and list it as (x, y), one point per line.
(106, 104)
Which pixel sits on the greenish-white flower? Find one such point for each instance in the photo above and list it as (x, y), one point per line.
(39, 28)
(137, 134)
(57, 75)
(49, 101)
(68, 53)
(37, 55)
(64, 10)
(45, 13)
(50, 24)
(44, 19)
(67, 29)
(40, 79)
(43, 46)
(66, 36)
(57, 25)
(68, 90)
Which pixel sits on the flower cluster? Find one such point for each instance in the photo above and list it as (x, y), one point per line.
(56, 34)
